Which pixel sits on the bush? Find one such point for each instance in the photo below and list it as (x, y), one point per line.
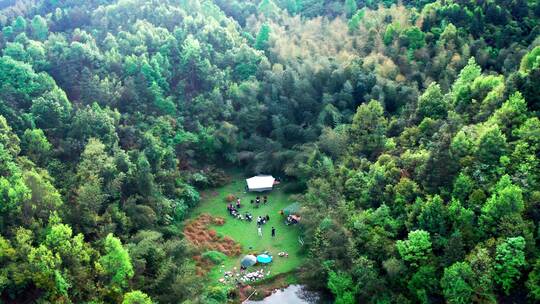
(230, 198)
(180, 209)
(187, 194)
(215, 256)
(216, 294)
(209, 177)
(217, 177)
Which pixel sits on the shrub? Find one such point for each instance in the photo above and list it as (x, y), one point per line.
(216, 294)
(230, 198)
(215, 256)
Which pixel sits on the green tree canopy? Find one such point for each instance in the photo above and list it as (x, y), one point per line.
(509, 258)
(416, 249)
(368, 130)
(261, 42)
(136, 297)
(457, 283)
(40, 30)
(116, 262)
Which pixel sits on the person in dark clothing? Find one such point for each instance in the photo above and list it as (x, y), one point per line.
(273, 232)
(267, 218)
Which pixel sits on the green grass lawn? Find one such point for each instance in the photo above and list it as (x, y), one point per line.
(245, 233)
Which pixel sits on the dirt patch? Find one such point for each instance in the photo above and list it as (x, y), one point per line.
(197, 232)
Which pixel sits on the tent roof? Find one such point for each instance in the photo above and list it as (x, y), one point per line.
(249, 260)
(260, 181)
(292, 208)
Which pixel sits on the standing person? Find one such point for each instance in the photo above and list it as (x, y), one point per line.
(273, 232)
(259, 231)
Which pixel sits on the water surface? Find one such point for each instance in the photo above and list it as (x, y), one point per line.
(294, 294)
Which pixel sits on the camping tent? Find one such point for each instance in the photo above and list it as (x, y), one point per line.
(249, 260)
(292, 209)
(260, 183)
(264, 258)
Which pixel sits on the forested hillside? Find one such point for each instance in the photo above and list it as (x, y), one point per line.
(411, 130)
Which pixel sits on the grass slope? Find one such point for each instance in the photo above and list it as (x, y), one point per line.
(245, 233)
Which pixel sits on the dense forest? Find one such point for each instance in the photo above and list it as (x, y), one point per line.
(410, 128)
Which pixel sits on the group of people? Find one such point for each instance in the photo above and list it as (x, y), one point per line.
(233, 210)
(292, 219)
(257, 201)
(261, 220)
(259, 231)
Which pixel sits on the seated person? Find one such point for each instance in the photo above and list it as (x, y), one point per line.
(290, 220)
(293, 219)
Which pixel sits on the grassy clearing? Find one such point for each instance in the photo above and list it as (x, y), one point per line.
(245, 233)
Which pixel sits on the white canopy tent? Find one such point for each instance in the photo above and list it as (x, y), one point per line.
(260, 183)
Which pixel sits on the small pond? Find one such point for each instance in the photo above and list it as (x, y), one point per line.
(294, 294)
